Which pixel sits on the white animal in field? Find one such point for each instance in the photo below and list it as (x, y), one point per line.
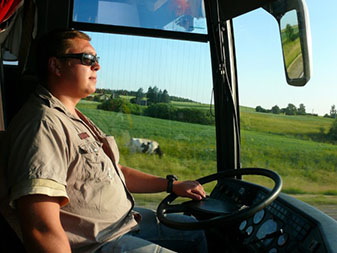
(146, 146)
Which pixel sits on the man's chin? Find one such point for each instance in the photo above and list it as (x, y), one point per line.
(88, 92)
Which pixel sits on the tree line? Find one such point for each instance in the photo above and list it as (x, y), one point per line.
(154, 103)
(293, 110)
(153, 95)
(289, 110)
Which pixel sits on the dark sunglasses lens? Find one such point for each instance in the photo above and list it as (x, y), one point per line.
(89, 59)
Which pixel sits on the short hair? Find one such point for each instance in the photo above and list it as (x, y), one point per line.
(55, 43)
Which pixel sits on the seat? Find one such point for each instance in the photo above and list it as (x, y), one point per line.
(9, 240)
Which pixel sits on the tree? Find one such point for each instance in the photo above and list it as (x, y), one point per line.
(333, 112)
(301, 110)
(139, 96)
(140, 93)
(260, 109)
(154, 95)
(333, 131)
(290, 33)
(165, 97)
(276, 110)
(159, 96)
(150, 95)
(291, 110)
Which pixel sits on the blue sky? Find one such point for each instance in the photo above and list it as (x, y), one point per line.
(130, 62)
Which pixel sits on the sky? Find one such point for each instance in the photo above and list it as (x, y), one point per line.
(130, 62)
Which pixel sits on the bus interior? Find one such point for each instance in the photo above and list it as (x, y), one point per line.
(184, 51)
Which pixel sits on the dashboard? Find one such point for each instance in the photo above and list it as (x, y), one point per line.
(286, 225)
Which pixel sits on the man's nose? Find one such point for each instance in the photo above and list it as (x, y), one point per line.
(96, 66)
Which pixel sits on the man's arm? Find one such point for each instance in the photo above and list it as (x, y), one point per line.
(140, 182)
(41, 227)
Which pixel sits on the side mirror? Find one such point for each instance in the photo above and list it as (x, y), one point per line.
(292, 17)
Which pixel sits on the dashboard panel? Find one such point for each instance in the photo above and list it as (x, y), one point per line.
(287, 225)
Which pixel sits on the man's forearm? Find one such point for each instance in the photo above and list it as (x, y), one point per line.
(140, 182)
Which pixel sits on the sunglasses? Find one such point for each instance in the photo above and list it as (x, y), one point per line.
(86, 59)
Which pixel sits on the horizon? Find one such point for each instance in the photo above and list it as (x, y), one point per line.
(192, 101)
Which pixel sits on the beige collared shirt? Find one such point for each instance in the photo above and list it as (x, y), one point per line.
(54, 153)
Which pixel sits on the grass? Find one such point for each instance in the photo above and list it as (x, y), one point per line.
(285, 144)
(283, 124)
(317, 199)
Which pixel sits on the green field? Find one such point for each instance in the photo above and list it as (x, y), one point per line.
(191, 105)
(290, 145)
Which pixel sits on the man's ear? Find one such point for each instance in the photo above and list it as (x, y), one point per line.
(54, 66)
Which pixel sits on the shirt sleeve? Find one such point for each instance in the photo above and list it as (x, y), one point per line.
(38, 160)
(38, 186)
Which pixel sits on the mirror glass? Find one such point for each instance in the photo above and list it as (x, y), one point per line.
(291, 45)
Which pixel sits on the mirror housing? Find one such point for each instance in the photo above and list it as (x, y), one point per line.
(293, 19)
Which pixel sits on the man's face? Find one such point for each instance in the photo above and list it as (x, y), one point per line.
(76, 79)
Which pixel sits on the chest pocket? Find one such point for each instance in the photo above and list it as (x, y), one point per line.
(96, 165)
(90, 151)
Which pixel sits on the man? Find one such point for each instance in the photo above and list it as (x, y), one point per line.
(64, 176)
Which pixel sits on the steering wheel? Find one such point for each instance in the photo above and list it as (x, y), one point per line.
(218, 210)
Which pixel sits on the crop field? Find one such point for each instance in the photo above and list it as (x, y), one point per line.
(289, 145)
(192, 105)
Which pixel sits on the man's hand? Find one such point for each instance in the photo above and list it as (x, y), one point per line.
(190, 189)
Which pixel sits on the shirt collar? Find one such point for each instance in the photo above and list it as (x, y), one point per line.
(52, 101)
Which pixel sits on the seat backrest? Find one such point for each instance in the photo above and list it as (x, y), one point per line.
(3, 188)
(9, 226)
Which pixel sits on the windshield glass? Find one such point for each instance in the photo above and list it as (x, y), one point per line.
(158, 90)
(283, 128)
(170, 15)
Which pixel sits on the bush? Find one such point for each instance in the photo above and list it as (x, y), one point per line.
(161, 110)
(261, 109)
(194, 116)
(168, 111)
(121, 105)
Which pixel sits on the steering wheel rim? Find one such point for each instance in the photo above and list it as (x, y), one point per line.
(165, 206)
